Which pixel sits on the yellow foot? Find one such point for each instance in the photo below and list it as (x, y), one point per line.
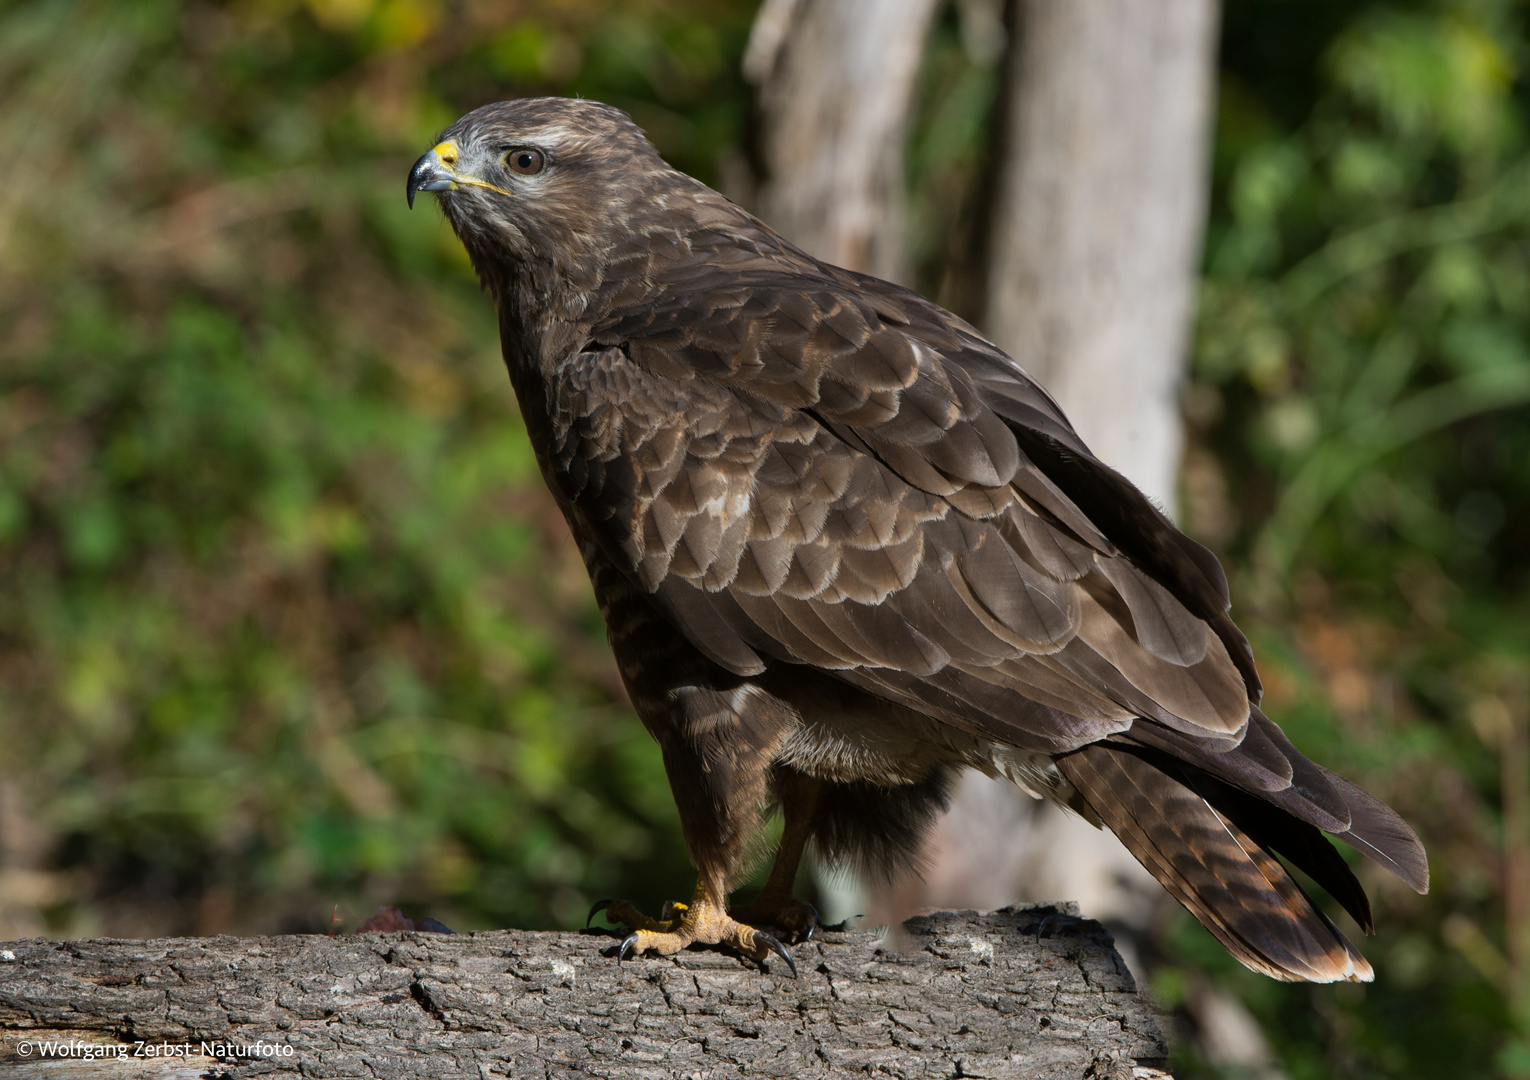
(694, 924)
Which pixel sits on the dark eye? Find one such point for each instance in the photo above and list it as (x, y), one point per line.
(526, 161)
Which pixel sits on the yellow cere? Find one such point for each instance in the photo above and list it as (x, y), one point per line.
(446, 152)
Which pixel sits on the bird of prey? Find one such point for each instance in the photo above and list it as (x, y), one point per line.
(845, 548)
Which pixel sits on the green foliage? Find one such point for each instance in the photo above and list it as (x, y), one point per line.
(288, 618)
(1361, 442)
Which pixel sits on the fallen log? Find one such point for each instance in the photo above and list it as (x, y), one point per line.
(1022, 992)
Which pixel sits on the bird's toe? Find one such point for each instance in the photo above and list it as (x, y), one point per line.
(621, 913)
(797, 920)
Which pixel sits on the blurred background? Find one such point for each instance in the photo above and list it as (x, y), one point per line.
(289, 627)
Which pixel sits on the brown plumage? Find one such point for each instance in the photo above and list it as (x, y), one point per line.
(846, 547)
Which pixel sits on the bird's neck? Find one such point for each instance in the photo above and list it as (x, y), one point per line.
(550, 303)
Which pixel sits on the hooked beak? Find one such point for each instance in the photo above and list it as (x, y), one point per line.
(433, 172)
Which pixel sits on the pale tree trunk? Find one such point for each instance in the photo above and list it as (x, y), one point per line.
(835, 83)
(1099, 216)
(1097, 219)
(835, 80)
(1097, 227)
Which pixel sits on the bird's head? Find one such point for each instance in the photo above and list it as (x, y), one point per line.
(542, 186)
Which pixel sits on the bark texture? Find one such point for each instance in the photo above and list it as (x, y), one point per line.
(835, 79)
(1034, 993)
(1099, 216)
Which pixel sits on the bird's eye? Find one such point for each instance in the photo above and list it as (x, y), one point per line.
(526, 161)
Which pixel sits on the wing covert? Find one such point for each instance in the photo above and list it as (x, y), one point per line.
(796, 475)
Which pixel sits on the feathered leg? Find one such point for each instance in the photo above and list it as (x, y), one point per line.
(719, 734)
(775, 905)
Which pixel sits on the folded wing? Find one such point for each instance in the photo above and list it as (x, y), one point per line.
(823, 469)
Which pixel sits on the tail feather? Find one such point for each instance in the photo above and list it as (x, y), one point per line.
(1227, 879)
(1300, 843)
(1380, 832)
(1311, 793)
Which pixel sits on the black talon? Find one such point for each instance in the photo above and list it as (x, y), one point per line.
(776, 947)
(807, 935)
(599, 906)
(626, 949)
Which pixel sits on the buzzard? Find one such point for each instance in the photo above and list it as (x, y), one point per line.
(845, 548)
